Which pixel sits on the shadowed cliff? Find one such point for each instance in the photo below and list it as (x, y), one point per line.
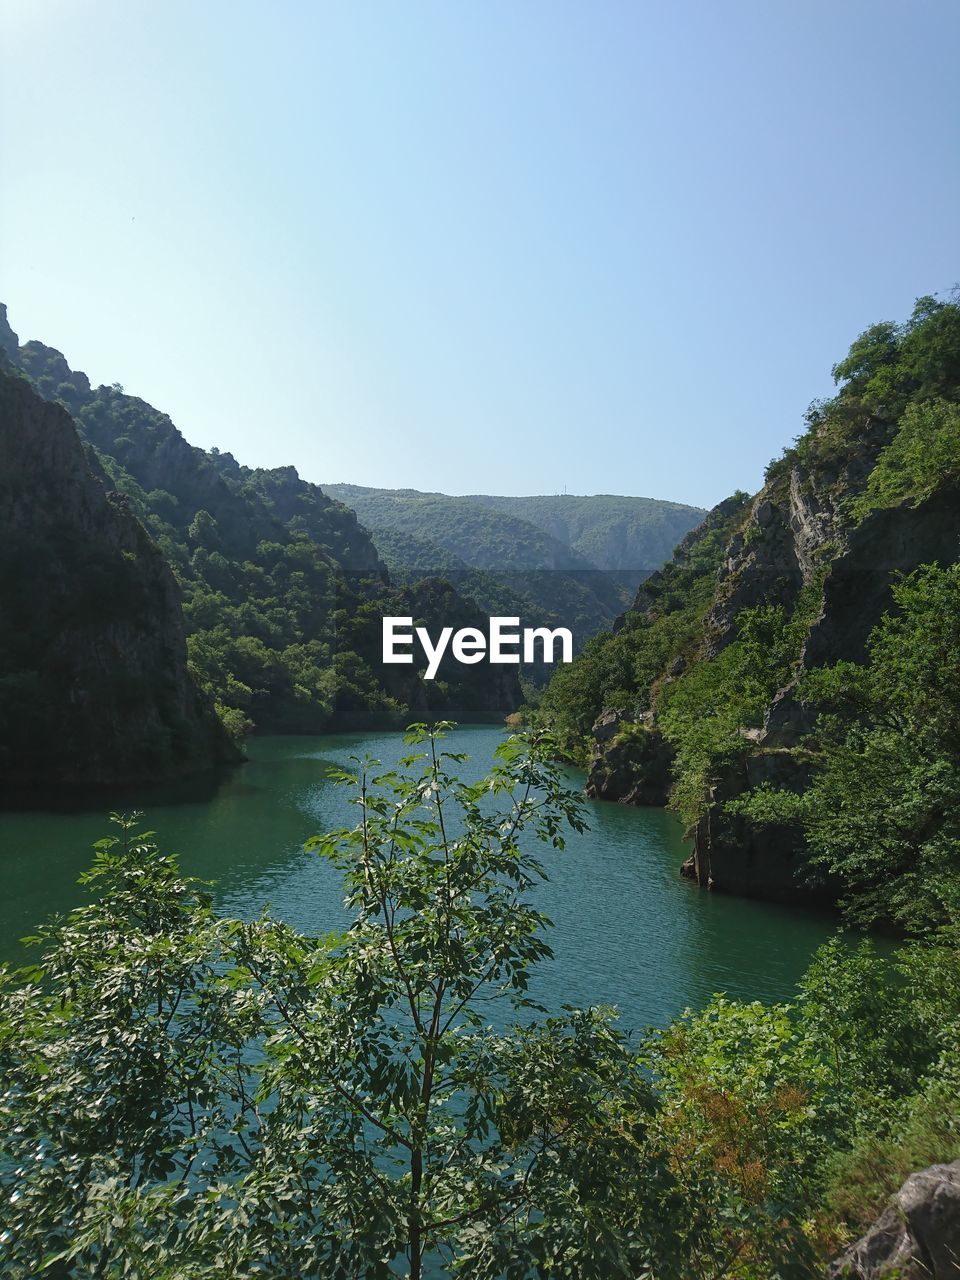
(94, 686)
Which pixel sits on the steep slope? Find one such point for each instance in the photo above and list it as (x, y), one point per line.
(302, 507)
(362, 596)
(409, 557)
(736, 691)
(94, 687)
(271, 570)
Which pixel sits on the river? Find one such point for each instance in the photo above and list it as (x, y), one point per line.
(628, 930)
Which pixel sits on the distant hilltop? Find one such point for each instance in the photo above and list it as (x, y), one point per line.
(599, 531)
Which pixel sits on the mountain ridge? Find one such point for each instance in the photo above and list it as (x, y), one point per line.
(521, 558)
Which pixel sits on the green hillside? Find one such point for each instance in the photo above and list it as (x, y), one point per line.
(282, 588)
(526, 556)
(612, 531)
(789, 680)
(482, 537)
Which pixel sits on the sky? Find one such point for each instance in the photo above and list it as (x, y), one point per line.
(505, 247)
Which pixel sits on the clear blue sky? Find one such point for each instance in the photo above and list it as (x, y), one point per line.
(509, 246)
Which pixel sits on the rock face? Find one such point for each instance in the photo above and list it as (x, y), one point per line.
(297, 503)
(802, 536)
(95, 687)
(631, 761)
(9, 342)
(797, 525)
(917, 1237)
(795, 544)
(283, 588)
(733, 855)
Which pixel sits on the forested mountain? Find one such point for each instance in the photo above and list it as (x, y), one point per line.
(599, 531)
(575, 561)
(94, 687)
(282, 588)
(612, 531)
(789, 679)
(481, 537)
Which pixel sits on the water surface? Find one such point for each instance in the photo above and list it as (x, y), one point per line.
(628, 930)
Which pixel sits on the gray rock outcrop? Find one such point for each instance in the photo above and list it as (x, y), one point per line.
(917, 1237)
(631, 761)
(795, 547)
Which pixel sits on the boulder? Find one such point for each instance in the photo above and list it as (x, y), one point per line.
(917, 1237)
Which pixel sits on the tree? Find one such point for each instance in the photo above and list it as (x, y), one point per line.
(204, 532)
(192, 1096)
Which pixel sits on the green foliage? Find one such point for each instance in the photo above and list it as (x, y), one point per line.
(923, 456)
(480, 537)
(737, 1088)
(888, 368)
(879, 818)
(882, 814)
(410, 559)
(621, 669)
(190, 1097)
(573, 559)
(503, 533)
(235, 722)
(277, 578)
(703, 712)
(612, 531)
(775, 1121)
(920, 1130)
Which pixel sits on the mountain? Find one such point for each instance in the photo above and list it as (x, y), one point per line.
(282, 588)
(530, 550)
(94, 685)
(611, 531)
(481, 536)
(788, 680)
(365, 594)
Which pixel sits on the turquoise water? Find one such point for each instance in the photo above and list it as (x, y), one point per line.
(628, 930)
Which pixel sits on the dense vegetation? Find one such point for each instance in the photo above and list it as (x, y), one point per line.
(277, 577)
(619, 669)
(187, 1096)
(480, 537)
(882, 813)
(282, 589)
(573, 560)
(768, 607)
(612, 531)
(410, 560)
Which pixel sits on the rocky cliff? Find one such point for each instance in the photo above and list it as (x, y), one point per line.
(698, 693)
(796, 535)
(94, 686)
